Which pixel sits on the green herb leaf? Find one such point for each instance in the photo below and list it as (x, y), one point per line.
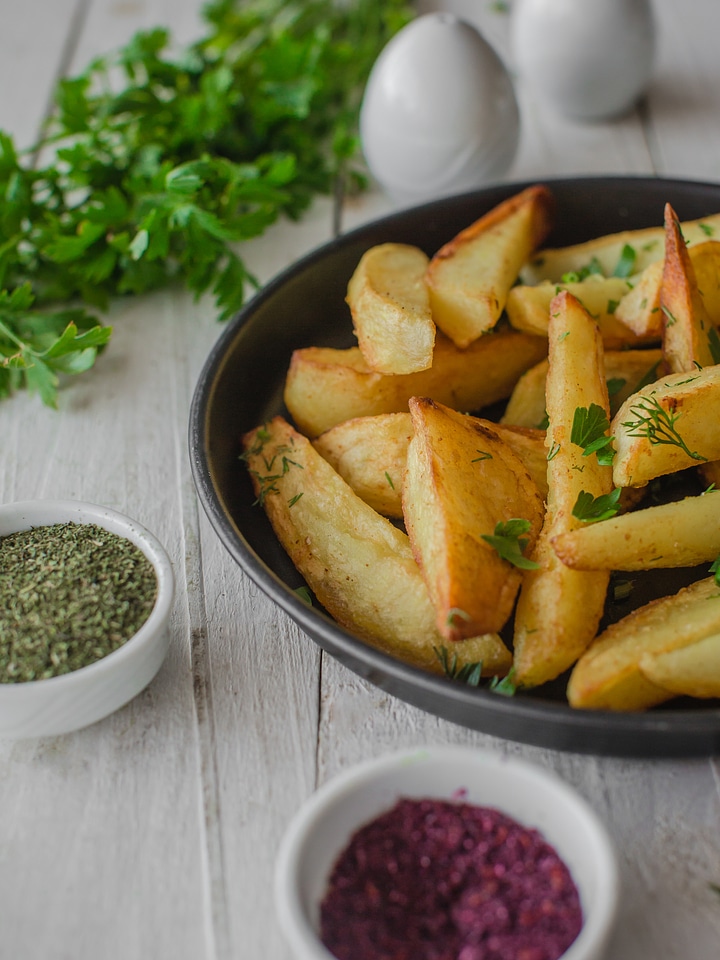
(715, 569)
(588, 431)
(714, 343)
(506, 685)
(626, 264)
(160, 160)
(657, 425)
(469, 673)
(509, 543)
(591, 509)
(593, 267)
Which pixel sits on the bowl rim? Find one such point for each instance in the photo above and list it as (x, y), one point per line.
(298, 927)
(124, 526)
(659, 733)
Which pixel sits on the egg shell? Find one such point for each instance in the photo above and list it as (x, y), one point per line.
(439, 113)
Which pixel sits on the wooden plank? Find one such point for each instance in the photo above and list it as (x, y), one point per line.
(36, 39)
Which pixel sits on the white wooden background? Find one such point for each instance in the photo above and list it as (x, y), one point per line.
(153, 833)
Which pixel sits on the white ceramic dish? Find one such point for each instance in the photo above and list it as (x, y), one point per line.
(531, 795)
(60, 704)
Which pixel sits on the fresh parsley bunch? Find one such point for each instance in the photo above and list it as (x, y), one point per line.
(154, 167)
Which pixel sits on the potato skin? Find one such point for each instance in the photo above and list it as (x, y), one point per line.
(461, 481)
(359, 566)
(325, 387)
(469, 278)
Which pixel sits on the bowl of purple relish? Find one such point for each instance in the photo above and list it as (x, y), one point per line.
(446, 853)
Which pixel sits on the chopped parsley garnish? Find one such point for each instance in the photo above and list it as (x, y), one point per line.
(715, 569)
(577, 276)
(304, 594)
(626, 264)
(714, 344)
(509, 543)
(670, 320)
(612, 306)
(589, 432)
(707, 229)
(590, 509)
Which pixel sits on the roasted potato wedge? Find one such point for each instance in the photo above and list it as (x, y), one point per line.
(648, 246)
(527, 308)
(686, 322)
(683, 533)
(326, 386)
(705, 259)
(639, 309)
(390, 308)
(692, 671)
(358, 565)
(667, 426)
(469, 278)
(559, 609)
(625, 371)
(370, 454)
(608, 675)
(461, 481)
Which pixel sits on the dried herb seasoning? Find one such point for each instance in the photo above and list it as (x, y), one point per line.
(440, 880)
(70, 594)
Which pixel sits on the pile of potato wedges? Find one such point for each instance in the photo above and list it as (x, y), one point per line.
(440, 535)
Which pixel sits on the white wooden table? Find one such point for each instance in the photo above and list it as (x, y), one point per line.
(152, 834)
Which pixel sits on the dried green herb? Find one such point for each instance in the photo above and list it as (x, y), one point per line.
(70, 594)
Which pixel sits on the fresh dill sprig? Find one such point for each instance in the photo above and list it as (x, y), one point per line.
(657, 425)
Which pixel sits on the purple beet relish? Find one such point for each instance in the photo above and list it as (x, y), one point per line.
(439, 880)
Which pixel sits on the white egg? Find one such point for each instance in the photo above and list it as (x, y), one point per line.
(439, 113)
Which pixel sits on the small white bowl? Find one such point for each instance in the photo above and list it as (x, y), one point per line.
(529, 794)
(40, 708)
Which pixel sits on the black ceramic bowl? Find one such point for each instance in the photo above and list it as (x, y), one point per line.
(241, 385)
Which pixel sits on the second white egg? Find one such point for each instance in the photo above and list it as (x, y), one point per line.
(439, 114)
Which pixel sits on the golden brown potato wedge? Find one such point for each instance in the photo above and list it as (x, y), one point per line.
(640, 309)
(461, 481)
(469, 277)
(692, 671)
(559, 609)
(686, 323)
(683, 533)
(608, 675)
(326, 386)
(625, 371)
(390, 308)
(667, 426)
(705, 258)
(358, 565)
(527, 308)
(606, 253)
(370, 454)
